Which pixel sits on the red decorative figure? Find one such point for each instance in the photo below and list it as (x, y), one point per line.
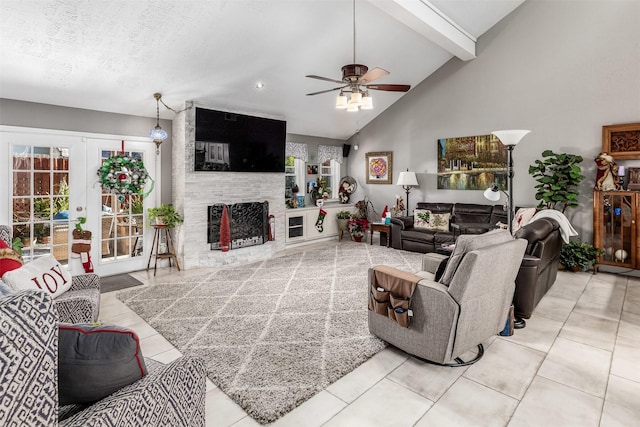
(225, 231)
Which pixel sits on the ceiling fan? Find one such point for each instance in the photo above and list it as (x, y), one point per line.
(357, 79)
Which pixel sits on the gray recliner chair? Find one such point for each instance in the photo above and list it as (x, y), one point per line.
(452, 316)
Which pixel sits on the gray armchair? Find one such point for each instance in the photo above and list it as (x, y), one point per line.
(81, 303)
(454, 317)
(169, 395)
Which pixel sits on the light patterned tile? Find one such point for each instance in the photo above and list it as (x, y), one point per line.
(548, 403)
(466, 403)
(352, 385)
(602, 298)
(314, 412)
(625, 359)
(554, 308)
(426, 379)
(385, 404)
(506, 367)
(629, 326)
(621, 406)
(592, 330)
(220, 410)
(577, 365)
(539, 334)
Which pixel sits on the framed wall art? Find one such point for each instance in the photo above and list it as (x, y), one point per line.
(471, 163)
(379, 167)
(622, 141)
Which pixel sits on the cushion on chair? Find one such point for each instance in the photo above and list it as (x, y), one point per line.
(471, 242)
(44, 273)
(95, 361)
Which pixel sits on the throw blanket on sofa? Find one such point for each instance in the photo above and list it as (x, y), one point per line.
(391, 292)
(566, 229)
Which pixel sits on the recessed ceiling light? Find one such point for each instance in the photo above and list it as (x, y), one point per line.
(259, 85)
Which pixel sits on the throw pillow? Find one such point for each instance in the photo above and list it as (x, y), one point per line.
(9, 259)
(95, 361)
(439, 222)
(421, 218)
(470, 242)
(522, 218)
(44, 273)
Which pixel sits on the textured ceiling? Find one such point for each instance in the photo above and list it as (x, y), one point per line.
(113, 55)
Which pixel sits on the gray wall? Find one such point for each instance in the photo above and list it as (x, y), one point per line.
(44, 116)
(560, 68)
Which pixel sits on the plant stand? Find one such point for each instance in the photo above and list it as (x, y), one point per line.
(171, 250)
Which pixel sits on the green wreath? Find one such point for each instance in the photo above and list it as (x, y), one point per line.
(123, 175)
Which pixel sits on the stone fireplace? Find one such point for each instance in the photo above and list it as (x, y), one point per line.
(249, 224)
(193, 193)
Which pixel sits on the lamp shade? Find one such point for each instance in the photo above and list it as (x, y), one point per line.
(341, 101)
(510, 137)
(356, 98)
(492, 193)
(408, 179)
(367, 103)
(158, 134)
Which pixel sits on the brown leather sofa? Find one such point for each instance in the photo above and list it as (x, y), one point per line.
(466, 218)
(539, 266)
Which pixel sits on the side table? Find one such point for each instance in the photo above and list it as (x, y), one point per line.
(382, 228)
(171, 250)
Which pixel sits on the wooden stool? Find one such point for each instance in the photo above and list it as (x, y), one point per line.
(171, 250)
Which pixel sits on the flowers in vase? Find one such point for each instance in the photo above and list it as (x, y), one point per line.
(358, 226)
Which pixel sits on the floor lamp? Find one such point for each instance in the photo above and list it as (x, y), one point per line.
(407, 180)
(510, 138)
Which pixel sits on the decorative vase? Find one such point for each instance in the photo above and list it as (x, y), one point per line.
(357, 238)
(159, 220)
(343, 223)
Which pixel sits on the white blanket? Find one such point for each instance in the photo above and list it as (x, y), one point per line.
(566, 229)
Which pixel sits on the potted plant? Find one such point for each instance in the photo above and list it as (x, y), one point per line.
(343, 218)
(578, 256)
(165, 215)
(559, 176)
(357, 228)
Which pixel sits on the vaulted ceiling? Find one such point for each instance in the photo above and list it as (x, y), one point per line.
(114, 55)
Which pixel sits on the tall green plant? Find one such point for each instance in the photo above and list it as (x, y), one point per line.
(559, 176)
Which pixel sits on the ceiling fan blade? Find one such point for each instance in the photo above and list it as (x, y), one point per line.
(371, 75)
(326, 79)
(391, 88)
(328, 90)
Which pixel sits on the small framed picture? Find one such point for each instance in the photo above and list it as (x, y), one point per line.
(379, 167)
(622, 141)
(312, 169)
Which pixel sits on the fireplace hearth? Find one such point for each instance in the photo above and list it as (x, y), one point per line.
(249, 224)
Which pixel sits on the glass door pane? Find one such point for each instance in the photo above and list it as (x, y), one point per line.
(40, 200)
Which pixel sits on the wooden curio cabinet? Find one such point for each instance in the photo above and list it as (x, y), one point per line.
(614, 227)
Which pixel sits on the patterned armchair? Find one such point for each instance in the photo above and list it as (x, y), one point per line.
(169, 395)
(81, 303)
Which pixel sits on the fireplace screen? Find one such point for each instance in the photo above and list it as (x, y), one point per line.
(249, 223)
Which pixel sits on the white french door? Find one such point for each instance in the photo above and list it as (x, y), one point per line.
(121, 239)
(44, 198)
(52, 181)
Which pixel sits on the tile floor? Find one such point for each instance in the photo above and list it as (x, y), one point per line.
(577, 363)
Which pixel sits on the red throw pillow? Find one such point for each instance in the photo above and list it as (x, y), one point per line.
(9, 259)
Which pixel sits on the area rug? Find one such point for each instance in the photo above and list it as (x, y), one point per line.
(276, 332)
(118, 282)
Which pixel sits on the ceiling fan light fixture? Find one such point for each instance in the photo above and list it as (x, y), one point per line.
(341, 101)
(356, 98)
(352, 107)
(367, 102)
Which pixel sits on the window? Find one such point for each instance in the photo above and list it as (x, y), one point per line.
(330, 171)
(294, 170)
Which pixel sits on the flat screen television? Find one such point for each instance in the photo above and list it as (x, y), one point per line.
(238, 143)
